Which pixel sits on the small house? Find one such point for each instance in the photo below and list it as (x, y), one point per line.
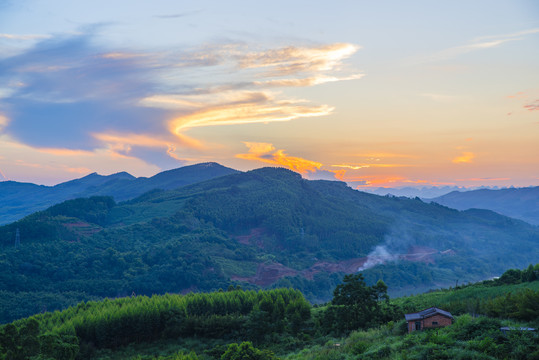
(428, 319)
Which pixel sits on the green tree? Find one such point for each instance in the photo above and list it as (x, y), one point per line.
(356, 305)
(246, 351)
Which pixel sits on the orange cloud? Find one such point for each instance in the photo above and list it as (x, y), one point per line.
(385, 155)
(263, 152)
(77, 170)
(131, 139)
(353, 167)
(532, 106)
(428, 182)
(362, 166)
(3, 121)
(311, 81)
(517, 95)
(4, 177)
(383, 181)
(121, 145)
(65, 152)
(391, 180)
(465, 158)
(61, 167)
(246, 107)
(484, 179)
(339, 174)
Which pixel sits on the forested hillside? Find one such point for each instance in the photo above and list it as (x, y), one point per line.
(264, 228)
(20, 199)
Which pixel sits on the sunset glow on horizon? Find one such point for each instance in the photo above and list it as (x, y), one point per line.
(376, 95)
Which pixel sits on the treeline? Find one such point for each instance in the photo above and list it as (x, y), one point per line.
(234, 314)
(264, 318)
(516, 276)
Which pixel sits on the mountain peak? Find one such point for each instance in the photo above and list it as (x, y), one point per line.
(121, 175)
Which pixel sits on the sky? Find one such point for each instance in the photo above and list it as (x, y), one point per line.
(374, 93)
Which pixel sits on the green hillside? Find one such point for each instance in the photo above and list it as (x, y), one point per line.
(263, 228)
(21, 199)
(271, 324)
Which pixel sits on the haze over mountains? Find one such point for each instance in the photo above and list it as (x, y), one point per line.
(410, 191)
(263, 228)
(521, 203)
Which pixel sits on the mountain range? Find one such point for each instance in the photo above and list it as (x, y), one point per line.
(263, 228)
(518, 203)
(21, 199)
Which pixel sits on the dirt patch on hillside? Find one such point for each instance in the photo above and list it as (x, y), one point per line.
(82, 228)
(267, 274)
(347, 267)
(253, 238)
(420, 254)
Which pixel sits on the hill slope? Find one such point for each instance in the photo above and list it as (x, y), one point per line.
(21, 199)
(521, 203)
(203, 326)
(267, 227)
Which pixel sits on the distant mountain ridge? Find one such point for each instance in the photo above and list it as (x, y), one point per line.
(20, 199)
(518, 203)
(410, 191)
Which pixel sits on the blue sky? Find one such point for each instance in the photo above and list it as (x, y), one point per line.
(385, 93)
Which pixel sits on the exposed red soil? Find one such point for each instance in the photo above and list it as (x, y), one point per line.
(82, 228)
(253, 238)
(420, 254)
(347, 267)
(267, 274)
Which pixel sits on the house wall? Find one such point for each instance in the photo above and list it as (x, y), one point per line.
(440, 319)
(427, 322)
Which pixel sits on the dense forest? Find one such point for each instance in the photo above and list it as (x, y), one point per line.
(266, 228)
(360, 322)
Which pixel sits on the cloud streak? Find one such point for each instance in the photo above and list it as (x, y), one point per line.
(247, 108)
(480, 43)
(534, 106)
(294, 60)
(24, 37)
